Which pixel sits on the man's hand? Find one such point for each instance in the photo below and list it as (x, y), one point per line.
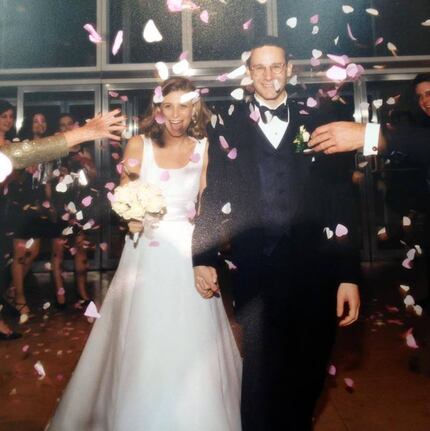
(338, 137)
(348, 293)
(206, 280)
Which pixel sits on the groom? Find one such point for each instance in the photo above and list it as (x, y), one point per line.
(289, 220)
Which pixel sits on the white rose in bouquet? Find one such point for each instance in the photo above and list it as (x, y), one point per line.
(137, 200)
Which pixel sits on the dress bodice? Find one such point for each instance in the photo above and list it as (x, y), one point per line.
(180, 186)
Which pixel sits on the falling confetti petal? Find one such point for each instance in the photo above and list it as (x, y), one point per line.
(332, 370)
(29, 243)
(110, 186)
(372, 11)
(406, 221)
(181, 67)
(293, 80)
(86, 202)
(113, 94)
(118, 42)
(349, 31)
(340, 59)
(410, 339)
(329, 233)
(314, 19)
(46, 305)
(154, 244)
(255, 115)
(315, 62)
(311, 102)
(232, 154)
(93, 35)
(103, 246)
(151, 33)
(405, 288)
(124, 98)
(418, 249)
(391, 47)
(336, 73)
(336, 40)
(165, 176)
(391, 101)
(204, 16)
(230, 264)
(230, 110)
(195, 158)
(409, 300)
(426, 23)
(246, 25)
(341, 230)
(91, 311)
(47, 266)
(237, 72)
(162, 69)
(245, 56)
(191, 96)
(226, 209)
(382, 231)
(411, 254)
(349, 382)
(377, 103)
(407, 263)
(347, 9)
(418, 310)
(61, 187)
(291, 22)
(315, 30)
(352, 70)
(223, 142)
(237, 93)
(316, 53)
(40, 370)
(25, 348)
(379, 41)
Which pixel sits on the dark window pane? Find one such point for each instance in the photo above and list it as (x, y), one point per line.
(400, 23)
(46, 33)
(130, 16)
(224, 38)
(332, 23)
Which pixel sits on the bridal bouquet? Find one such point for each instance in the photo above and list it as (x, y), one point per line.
(137, 200)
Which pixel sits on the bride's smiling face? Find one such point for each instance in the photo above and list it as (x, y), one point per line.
(177, 114)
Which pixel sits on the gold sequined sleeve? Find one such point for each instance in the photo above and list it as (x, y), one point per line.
(28, 153)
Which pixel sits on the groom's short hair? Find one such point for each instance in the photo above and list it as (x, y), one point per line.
(267, 41)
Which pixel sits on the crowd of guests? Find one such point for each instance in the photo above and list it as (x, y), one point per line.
(31, 209)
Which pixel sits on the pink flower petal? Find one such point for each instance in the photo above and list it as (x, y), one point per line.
(61, 291)
(349, 31)
(115, 156)
(111, 197)
(315, 62)
(314, 19)
(379, 41)
(91, 311)
(103, 246)
(352, 70)
(232, 154)
(246, 25)
(118, 42)
(165, 176)
(340, 59)
(341, 230)
(223, 142)
(410, 339)
(46, 204)
(311, 102)
(223, 77)
(407, 263)
(154, 243)
(336, 73)
(204, 16)
(195, 158)
(349, 382)
(332, 370)
(86, 202)
(132, 162)
(110, 186)
(183, 56)
(255, 115)
(124, 98)
(25, 348)
(93, 35)
(119, 168)
(113, 94)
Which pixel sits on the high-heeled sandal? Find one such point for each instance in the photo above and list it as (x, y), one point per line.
(18, 306)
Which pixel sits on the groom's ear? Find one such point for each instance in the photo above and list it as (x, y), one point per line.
(289, 69)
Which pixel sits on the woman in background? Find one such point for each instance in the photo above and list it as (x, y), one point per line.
(79, 164)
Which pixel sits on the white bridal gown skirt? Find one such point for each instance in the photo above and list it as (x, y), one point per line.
(160, 358)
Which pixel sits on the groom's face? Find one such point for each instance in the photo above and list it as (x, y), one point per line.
(269, 70)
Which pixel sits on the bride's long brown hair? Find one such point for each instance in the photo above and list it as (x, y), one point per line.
(197, 128)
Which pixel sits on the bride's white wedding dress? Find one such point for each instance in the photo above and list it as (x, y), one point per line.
(160, 357)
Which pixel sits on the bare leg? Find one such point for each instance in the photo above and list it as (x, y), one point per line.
(81, 268)
(56, 262)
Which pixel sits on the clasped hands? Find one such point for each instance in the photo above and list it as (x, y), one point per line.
(206, 281)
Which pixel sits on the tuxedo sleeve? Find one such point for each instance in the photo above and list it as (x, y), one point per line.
(412, 141)
(207, 236)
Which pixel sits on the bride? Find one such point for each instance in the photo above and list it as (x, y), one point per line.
(160, 357)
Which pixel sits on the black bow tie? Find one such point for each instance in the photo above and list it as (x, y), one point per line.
(281, 112)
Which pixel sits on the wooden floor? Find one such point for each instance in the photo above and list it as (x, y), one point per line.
(391, 381)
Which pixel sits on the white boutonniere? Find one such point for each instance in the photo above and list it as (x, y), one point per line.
(301, 140)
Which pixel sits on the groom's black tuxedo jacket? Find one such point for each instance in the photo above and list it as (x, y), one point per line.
(281, 202)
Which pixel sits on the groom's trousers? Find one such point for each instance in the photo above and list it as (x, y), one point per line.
(288, 334)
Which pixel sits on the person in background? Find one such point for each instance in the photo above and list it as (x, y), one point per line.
(7, 122)
(79, 164)
(28, 217)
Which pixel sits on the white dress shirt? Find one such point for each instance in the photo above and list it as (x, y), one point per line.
(274, 129)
